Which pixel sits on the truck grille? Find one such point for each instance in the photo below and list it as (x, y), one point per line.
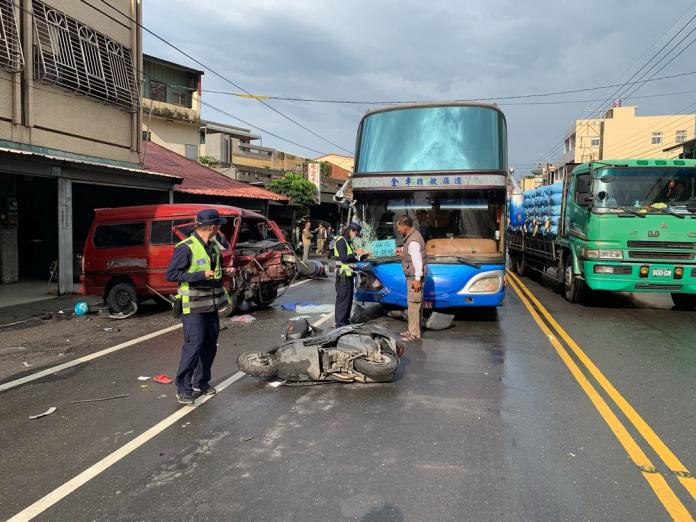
(684, 245)
(637, 254)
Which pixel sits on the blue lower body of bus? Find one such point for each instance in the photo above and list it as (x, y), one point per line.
(446, 285)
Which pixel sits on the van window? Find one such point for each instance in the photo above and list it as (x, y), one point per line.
(119, 235)
(162, 233)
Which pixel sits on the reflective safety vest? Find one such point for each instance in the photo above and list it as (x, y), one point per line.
(344, 269)
(207, 295)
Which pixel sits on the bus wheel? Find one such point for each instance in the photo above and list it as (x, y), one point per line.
(521, 265)
(573, 288)
(684, 301)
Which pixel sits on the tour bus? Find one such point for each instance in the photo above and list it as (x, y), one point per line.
(445, 166)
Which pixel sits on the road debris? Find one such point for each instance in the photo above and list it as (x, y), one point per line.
(246, 318)
(275, 384)
(50, 410)
(247, 438)
(26, 364)
(162, 379)
(291, 307)
(315, 308)
(121, 396)
(143, 378)
(144, 386)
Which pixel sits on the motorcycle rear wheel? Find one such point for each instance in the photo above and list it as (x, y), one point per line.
(378, 370)
(258, 364)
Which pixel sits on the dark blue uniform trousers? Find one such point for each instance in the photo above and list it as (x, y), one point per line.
(344, 300)
(197, 355)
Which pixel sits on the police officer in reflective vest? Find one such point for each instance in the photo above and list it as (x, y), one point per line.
(345, 254)
(197, 266)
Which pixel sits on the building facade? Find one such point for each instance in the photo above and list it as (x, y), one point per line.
(172, 106)
(70, 130)
(622, 133)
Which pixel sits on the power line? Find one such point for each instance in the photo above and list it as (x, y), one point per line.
(248, 95)
(73, 94)
(214, 72)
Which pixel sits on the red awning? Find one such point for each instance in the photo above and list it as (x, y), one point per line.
(199, 179)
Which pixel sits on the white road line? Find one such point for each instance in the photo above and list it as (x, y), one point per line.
(95, 355)
(86, 358)
(93, 471)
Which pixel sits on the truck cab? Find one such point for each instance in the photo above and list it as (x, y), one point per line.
(630, 226)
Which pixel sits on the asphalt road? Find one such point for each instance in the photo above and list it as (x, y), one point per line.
(486, 421)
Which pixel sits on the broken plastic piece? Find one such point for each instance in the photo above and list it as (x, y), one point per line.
(143, 378)
(101, 399)
(438, 321)
(246, 318)
(162, 379)
(315, 309)
(275, 384)
(50, 410)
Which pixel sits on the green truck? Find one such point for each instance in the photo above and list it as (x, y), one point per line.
(625, 226)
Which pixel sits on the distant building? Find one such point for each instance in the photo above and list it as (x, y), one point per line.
(686, 150)
(171, 106)
(621, 133)
(232, 152)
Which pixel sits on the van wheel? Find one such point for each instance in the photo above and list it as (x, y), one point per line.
(121, 297)
(684, 301)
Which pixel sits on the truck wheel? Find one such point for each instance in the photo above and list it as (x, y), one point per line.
(521, 265)
(573, 288)
(384, 368)
(258, 364)
(265, 295)
(121, 297)
(684, 301)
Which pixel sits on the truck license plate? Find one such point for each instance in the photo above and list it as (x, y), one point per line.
(661, 271)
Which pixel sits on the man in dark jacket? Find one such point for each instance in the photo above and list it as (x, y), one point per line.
(345, 255)
(197, 266)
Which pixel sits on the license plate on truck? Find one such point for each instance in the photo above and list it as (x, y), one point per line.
(661, 271)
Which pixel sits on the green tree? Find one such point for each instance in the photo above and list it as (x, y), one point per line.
(296, 187)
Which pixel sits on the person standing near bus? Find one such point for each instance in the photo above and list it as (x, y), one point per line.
(321, 239)
(414, 266)
(345, 254)
(197, 266)
(306, 241)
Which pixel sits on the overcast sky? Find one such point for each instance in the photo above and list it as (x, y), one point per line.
(416, 50)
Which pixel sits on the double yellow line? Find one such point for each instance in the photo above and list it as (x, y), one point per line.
(555, 333)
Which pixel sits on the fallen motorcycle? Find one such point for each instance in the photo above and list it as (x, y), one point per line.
(355, 353)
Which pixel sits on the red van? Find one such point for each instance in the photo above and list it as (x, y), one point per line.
(128, 249)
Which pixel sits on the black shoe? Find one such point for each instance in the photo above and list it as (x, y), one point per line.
(185, 398)
(208, 390)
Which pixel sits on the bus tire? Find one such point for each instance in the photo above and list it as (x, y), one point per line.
(684, 301)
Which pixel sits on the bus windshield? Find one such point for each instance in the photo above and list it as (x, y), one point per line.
(424, 139)
(642, 188)
(465, 222)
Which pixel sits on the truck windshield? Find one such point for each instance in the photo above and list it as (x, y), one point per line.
(644, 189)
(460, 215)
(432, 139)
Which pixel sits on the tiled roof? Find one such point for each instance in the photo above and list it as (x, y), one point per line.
(199, 179)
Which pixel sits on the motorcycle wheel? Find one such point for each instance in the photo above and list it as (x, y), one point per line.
(258, 364)
(376, 370)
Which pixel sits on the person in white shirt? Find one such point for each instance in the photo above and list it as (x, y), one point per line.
(414, 265)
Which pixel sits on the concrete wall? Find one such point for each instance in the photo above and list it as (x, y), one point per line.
(173, 135)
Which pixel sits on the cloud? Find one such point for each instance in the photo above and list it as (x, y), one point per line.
(410, 49)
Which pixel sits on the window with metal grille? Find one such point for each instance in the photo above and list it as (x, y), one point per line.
(158, 91)
(656, 138)
(11, 57)
(181, 97)
(680, 136)
(74, 56)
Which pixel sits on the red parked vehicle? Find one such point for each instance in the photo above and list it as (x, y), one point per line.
(128, 249)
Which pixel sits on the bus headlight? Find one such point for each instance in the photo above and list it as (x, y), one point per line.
(490, 282)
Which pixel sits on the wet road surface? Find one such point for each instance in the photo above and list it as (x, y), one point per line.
(484, 422)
